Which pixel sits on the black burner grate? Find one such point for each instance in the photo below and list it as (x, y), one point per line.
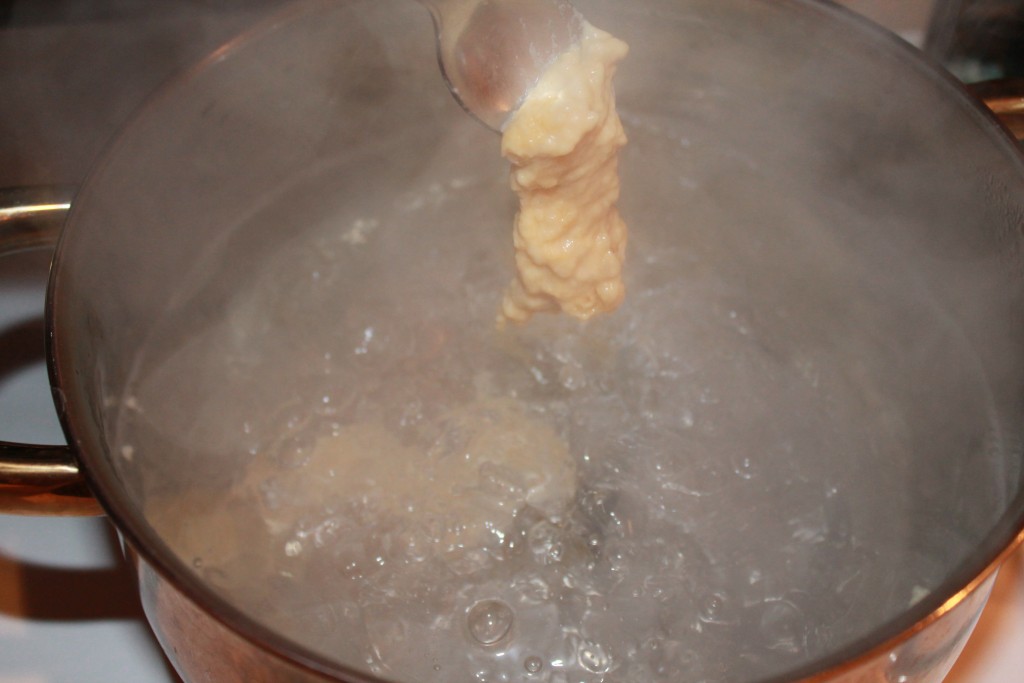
(979, 39)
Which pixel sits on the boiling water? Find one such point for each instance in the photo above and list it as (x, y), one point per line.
(712, 484)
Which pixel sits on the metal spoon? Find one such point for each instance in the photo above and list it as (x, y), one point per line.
(493, 51)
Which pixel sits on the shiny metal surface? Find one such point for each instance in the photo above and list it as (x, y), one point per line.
(492, 51)
(72, 72)
(1006, 99)
(31, 218)
(42, 480)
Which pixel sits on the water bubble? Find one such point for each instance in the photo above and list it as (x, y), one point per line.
(295, 450)
(744, 467)
(714, 608)
(533, 665)
(838, 527)
(572, 376)
(593, 658)
(533, 589)
(489, 621)
(783, 626)
(545, 540)
(599, 505)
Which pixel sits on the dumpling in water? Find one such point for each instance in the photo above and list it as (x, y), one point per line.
(454, 501)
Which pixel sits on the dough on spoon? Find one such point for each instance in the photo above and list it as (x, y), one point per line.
(563, 143)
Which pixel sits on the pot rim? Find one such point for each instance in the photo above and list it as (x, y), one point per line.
(1001, 541)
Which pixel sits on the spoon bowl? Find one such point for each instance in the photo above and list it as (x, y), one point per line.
(492, 52)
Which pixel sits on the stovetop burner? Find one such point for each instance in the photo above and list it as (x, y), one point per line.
(978, 39)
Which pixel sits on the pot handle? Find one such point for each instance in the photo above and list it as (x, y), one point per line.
(38, 480)
(1005, 97)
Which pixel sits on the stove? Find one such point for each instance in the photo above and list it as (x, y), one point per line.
(68, 609)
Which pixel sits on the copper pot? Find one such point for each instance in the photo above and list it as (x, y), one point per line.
(795, 108)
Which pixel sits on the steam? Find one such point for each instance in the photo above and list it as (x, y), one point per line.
(807, 387)
(76, 71)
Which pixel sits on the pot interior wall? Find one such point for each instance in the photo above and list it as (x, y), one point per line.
(799, 434)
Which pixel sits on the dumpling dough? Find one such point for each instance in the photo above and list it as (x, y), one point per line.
(454, 500)
(362, 497)
(563, 143)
